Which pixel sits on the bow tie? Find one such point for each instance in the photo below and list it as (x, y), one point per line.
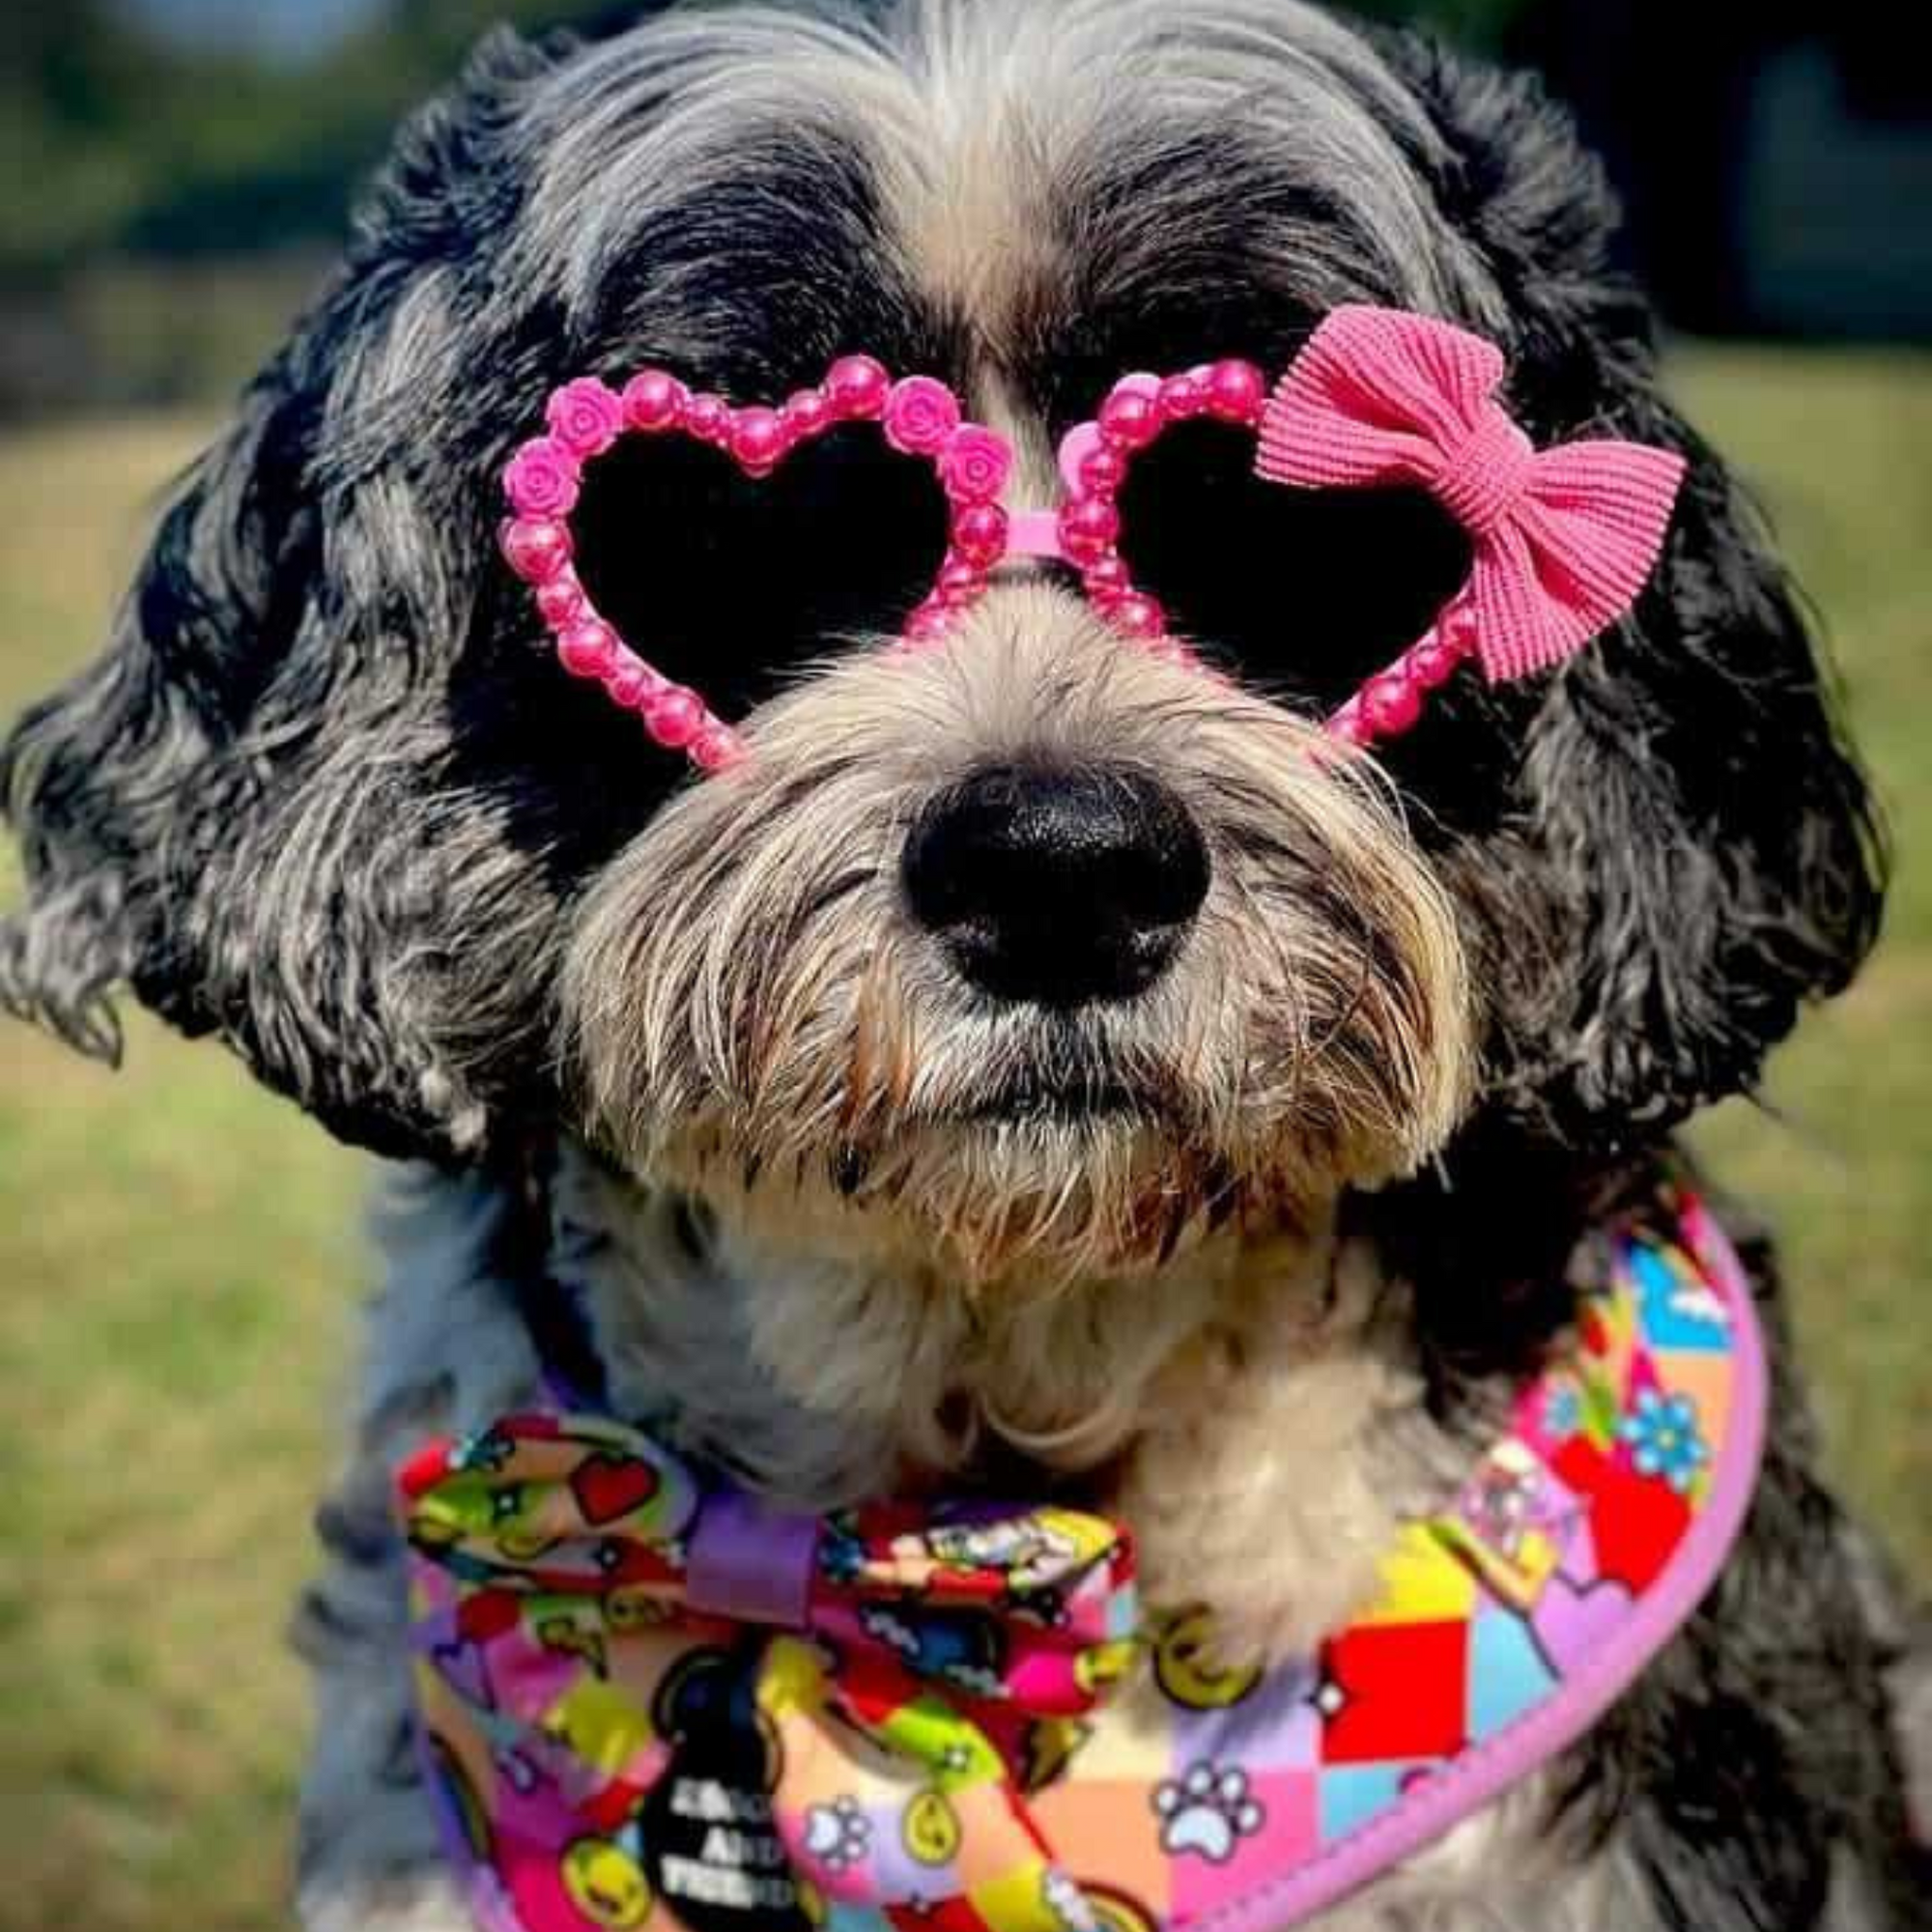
(1564, 538)
(566, 1571)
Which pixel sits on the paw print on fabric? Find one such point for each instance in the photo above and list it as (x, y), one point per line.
(1208, 1812)
(836, 1835)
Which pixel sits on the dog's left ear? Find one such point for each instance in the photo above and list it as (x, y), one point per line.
(1691, 829)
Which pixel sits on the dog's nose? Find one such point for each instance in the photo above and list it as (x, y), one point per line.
(1061, 885)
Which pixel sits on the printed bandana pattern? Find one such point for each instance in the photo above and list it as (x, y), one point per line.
(649, 1706)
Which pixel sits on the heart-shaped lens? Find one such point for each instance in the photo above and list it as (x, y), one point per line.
(1165, 476)
(727, 583)
(1310, 591)
(645, 522)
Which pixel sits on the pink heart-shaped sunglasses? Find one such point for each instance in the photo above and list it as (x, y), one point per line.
(1562, 539)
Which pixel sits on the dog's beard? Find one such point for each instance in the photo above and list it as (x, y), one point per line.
(757, 1017)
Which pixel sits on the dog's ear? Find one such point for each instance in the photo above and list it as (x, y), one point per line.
(1701, 824)
(187, 826)
(102, 780)
(1692, 826)
(255, 808)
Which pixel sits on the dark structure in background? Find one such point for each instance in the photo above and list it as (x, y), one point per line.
(1775, 159)
(163, 207)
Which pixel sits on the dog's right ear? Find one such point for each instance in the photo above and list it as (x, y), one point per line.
(103, 780)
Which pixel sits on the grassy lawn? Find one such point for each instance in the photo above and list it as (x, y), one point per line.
(181, 1254)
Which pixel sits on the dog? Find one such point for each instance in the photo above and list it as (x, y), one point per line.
(1229, 1181)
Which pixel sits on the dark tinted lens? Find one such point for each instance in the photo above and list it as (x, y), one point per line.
(727, 584)
(1310, 590)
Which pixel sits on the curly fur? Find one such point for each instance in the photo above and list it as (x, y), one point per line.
(686, 1048)
(746, 993)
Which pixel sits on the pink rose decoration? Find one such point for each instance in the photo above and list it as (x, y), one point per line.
(586, 416)
(542, 479)
(920, 415)
(974, 464)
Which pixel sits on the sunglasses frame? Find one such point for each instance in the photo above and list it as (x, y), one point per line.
(921, 417)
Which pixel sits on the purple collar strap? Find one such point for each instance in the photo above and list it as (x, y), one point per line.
(649, 1705)
(750, 1563)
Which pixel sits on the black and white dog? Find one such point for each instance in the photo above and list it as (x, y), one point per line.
(1249, 1240)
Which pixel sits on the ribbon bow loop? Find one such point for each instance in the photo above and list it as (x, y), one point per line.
(1024, 1607)
(541, 1504)
(1564, 538)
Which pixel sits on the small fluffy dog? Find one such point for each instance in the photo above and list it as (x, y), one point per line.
(888, 1140)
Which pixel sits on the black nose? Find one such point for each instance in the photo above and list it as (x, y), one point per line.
(1057, 885)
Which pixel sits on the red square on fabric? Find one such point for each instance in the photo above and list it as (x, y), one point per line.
(1636, 1521)
(1403, 1693)
(1637, 1524)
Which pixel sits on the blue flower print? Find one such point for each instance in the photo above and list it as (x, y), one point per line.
(1562, 1413)
(1664, 1439)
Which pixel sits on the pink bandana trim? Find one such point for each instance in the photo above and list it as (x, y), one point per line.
(647, 1707)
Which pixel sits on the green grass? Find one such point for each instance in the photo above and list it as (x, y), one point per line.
(181, 1257)
(182, 1253)
(1840, 450)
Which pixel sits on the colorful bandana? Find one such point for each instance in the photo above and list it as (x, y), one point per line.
(652, 1704)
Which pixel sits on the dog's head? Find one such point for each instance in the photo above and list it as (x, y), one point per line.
(1034, 944)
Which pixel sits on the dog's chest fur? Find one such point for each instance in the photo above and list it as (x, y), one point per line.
(1255, 1410)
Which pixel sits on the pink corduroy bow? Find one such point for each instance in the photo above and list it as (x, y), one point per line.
(1564, 538)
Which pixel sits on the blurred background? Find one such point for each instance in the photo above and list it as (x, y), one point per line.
(182, 1255)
